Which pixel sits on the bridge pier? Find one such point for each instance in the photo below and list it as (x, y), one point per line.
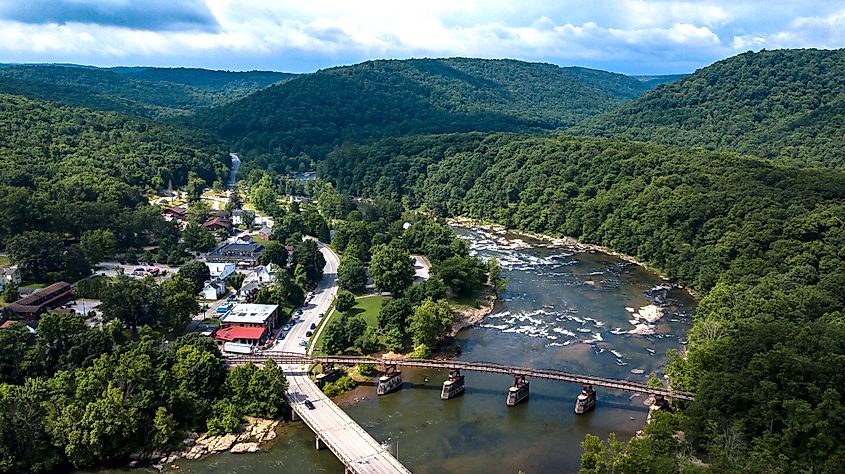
(453, 386)
(294, 416)
(319, 443)
(586, 399)
(390, 381)
(518, 391)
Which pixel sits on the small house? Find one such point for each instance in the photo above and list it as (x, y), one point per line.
(213, 289)
(217, 223)
(220, 270)
(9, 276)
(242, 216)
(175, 213)
(265, 232)
(252, 336)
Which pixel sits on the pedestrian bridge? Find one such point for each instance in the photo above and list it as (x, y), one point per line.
(487, 367)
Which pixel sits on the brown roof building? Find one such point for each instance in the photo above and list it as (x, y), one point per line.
(42, 301)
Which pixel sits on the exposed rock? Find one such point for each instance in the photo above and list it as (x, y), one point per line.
(241, 448)
(189, 442)
(222, 443)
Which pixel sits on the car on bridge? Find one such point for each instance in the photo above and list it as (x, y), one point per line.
(313, 326)
(309, 404)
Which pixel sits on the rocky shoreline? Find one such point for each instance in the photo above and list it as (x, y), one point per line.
(252, 435)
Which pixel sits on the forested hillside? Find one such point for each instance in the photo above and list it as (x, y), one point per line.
(376, 99)
(147, 92)
(69, 169)
(784, 104)
(762, 243)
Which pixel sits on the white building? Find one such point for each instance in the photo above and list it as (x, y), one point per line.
(213, 290)
(238, 216)
(9, 275)
(252, 315)
(220, 270)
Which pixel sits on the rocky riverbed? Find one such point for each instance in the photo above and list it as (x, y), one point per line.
(252, 435)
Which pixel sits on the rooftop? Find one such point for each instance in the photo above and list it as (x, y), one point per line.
(236, 332)
(249, 313)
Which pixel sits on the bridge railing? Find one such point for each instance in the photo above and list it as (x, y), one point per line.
(488, 367)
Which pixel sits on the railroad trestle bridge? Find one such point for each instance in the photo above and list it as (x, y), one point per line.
(455, 366)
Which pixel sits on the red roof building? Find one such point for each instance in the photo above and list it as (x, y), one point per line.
(42, 301)
(241, 335)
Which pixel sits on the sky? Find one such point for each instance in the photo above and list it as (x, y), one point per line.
(627, 36)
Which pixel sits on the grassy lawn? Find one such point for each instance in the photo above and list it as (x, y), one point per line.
(367, 306)
(259, 240)
(29, 284)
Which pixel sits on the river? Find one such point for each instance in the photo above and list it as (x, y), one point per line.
(564, 309)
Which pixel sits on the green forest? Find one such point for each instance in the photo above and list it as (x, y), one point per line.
(158, 93)
(784, 104)
(315, 112)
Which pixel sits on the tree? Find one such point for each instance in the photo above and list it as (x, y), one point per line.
(179, 304)
(235, 201)
(462, 275)
(133, 302)
(197, 273)
(344, 301)
(236, 280)
(76, 265)
(394, 314)
(257, 391)
(392, 269)
(164, 428)
(226, 419)
(198, 238)
(36, 253)
(431, 321)
(275, 253)
(98, 244)
(351, 274)
(196, 186)
(300, 275)
(494, 270)
(11, 293)
(16, 342)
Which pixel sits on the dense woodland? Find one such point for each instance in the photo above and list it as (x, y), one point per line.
(758, 235)
(147, 92)
(786, 104)
(315, 112)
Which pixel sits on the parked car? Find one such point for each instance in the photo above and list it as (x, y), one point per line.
(308, 334)
(313, 326)
(286, 327)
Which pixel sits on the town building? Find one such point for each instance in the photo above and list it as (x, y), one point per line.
(175, 213)
(216, 223)
(241, 335)
(252, 316)
(242, 216)
(42, 301)
(239, 254)
(213, 289)
(9, 276)
(220, 270)
(265, 232)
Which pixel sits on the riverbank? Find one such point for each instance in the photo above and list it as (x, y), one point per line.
(252, 436)
(558, 242)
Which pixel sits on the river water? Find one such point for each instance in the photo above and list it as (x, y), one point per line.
(564, 309)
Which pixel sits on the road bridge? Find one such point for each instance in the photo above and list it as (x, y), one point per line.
(487, 367)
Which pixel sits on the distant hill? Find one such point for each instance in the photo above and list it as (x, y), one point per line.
(315, 112)
(70, 169)
(786, 104)
(147, 92)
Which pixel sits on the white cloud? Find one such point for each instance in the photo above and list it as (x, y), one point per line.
(627, 35)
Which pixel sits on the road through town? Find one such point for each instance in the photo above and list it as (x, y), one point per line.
(335, 429)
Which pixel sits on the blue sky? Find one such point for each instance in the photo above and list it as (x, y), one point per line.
(628, 36)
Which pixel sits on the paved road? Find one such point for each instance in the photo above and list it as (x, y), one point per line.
(347, 440)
